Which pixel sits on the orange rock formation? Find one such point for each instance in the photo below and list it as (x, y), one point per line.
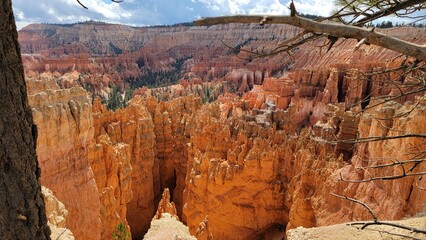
(165, 224)
(56, 215)
(238, 168)
(65, 126)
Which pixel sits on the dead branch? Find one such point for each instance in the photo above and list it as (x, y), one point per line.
(366, 224)
(391, 177)
(391, 10)
(394, 97)
(361, 42)
(330, 28)
(376, 221)
(395, 234)
(82, 4)
(382, 138)
(358, 202)
(116, 1)
(282, 47)
(397, 163)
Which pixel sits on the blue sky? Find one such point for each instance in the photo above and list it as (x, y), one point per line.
(154, 12)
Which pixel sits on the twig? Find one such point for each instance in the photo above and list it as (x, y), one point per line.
(82, 4)
(411, 229)
(358, 202)
(392, 177)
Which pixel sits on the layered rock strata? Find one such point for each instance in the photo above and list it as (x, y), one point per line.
(108, 54)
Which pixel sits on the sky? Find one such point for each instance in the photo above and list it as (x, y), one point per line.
(154, 12)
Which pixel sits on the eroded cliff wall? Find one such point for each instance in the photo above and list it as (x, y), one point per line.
(64, 121)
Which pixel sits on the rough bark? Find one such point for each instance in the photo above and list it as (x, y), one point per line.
(22, 210)
(334, 29)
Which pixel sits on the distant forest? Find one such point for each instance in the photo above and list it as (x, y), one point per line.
(383, 24)
(185, 24)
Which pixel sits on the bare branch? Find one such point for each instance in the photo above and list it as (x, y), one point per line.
(116, 1)
(391, 10)
(382, 138)
(392, 177)
(377, 222)
(358, 202)
(396, 234)
(397, 163)
(82, 4)
(411, 229)
(334, 29)
(358, 45)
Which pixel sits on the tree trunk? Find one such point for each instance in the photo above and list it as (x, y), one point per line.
(22, 210)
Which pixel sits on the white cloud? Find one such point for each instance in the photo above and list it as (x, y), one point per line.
(316, 7)
(22, 24)
(19, 14)
(64, 11)
(226, 6)
(110, 10)
(274, 7)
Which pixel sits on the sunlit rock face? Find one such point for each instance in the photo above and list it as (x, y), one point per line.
(148, 139)
(247, 177)
(56, 215)
(90, 176)
(64, 122)
(121, 159)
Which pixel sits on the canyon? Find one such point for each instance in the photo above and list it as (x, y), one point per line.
(254, 161)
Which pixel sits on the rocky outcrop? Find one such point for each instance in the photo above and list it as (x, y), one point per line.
(230, 177)
(149, 137)
(90, 176)
(56, 215)
(266, 178)
(165, 206)
(172, 121)
(64, 122)
(112, 169)
(123, 159)
(165, 224)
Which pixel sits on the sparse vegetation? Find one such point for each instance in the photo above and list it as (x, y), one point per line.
(121, 232)
(153, 78)
(116, 99)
